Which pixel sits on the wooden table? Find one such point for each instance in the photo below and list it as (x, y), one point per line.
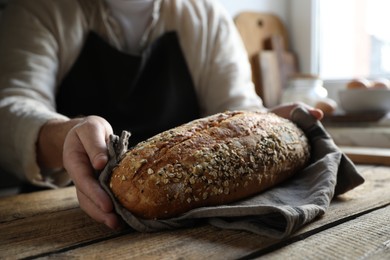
(50, 224)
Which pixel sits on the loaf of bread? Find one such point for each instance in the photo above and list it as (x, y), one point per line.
(210, 161)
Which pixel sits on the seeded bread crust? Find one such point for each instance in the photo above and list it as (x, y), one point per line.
(210, 161)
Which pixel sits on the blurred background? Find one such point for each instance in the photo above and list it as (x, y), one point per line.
(336, 40)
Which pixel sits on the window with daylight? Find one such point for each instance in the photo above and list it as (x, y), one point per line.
(353, 38)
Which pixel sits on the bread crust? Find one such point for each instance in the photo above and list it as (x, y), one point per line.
(210, 161)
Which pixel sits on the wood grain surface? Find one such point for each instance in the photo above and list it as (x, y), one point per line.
(49, 224)
(366, 237)
(368, 155)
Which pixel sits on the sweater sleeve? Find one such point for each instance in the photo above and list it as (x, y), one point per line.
(226, 81)
(215, 54)
(28, 71)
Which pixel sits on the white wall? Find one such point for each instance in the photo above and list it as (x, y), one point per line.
(303, 32)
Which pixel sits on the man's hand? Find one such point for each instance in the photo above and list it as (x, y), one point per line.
(79, 145)
(284, 110)
(84, 153)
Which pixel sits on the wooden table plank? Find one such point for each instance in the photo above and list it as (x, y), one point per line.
(43, 233)
(209, 242)
(192, 243)
(367, 155)
(374, 193)
(365, 237)
(36, 203)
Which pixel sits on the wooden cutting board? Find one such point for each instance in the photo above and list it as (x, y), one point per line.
(367, 155)
(273, 72)
(276, 66)
(255, 28)
(266, 41)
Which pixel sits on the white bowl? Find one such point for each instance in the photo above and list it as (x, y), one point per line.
(365, 100)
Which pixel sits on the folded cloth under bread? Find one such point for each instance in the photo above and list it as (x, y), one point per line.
(278, 212)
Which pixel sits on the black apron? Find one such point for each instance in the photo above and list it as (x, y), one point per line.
(143, 94)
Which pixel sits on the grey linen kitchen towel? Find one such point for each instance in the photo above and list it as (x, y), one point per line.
(278, 212)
